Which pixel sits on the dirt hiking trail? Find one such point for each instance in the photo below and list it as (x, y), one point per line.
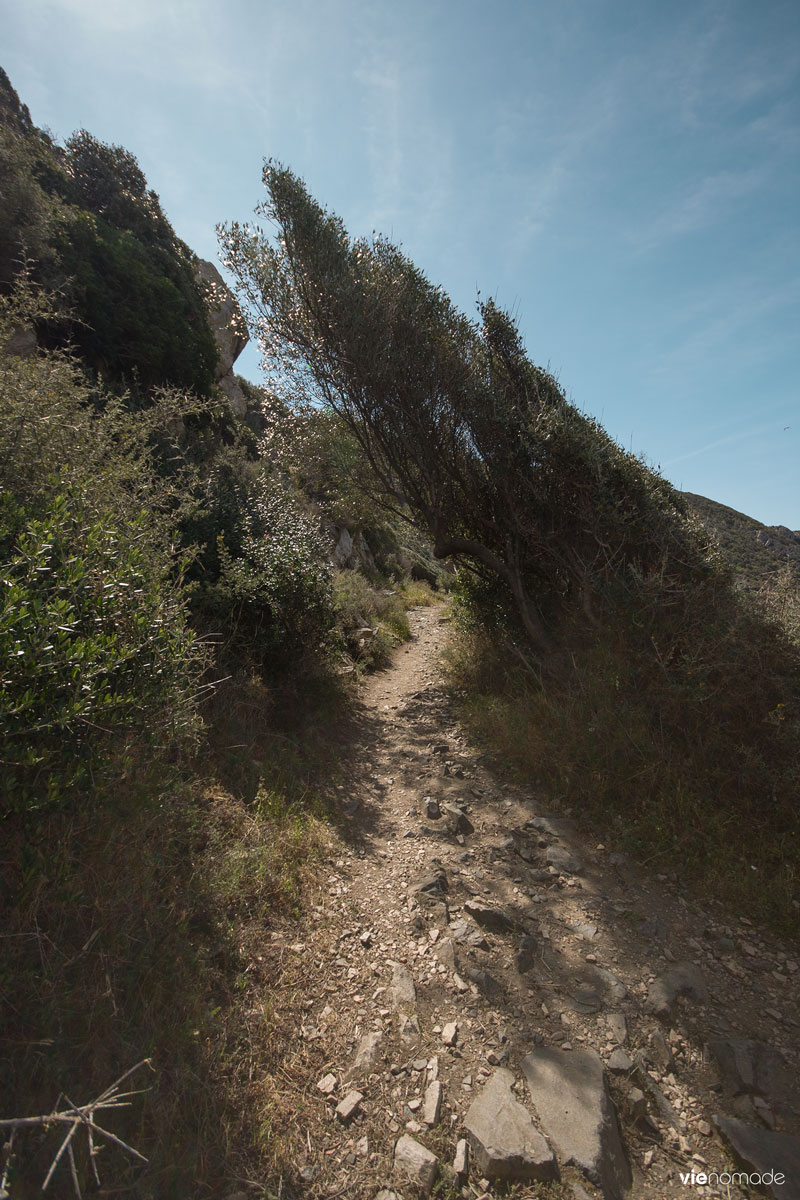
(483, 988)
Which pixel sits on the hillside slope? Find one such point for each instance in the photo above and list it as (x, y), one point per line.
(757, 552)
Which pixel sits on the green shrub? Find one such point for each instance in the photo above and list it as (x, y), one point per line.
(271, 601)
(95, 647)
(93, 644)
(84, 221)
(674, 728)
(372, 619)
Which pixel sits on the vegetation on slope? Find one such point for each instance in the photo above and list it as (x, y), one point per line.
(83, 219)
(172, 638)
(758, 553)
(173, 633)
(652, 690)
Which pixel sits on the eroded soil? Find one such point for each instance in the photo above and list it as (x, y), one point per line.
(582, 936)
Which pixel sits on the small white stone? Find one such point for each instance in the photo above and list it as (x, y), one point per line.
(349, 1106)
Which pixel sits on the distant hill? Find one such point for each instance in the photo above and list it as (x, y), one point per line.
(757, 552)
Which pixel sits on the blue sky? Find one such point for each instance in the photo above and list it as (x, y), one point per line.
(623, 175)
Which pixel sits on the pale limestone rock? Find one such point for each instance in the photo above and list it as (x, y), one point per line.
(414, 1160)
(504, 1140)
(347, 1108)
(432, 1106)
(572, 1102)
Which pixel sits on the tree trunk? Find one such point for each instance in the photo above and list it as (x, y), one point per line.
(534, 626)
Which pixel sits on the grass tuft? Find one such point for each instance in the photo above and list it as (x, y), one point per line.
(682, 745)
(146, 929)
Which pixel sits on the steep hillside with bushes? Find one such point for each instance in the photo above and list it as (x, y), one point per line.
(84, 220)
(196, 571)
(607, 649)
(758, 553)
(175, 637)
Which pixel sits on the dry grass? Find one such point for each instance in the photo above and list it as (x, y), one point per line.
(680, 744)
(144, 927)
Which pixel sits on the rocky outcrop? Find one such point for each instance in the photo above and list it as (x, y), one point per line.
(227, 323)
(783, 542)
(350, 550)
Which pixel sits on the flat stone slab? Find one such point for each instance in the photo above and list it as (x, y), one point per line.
(504, 1140)
(416, 1161)
(684, 979)
(348, 1107)
(619, 1062)
(617, 1026)
(766, 1154)
(564, 862)
(404, 993)
(461, 1160)
(569, 1093)
(432, 1104)
(493, 919)
(752, 1067)
(366, 1058)
(605, 982)
(585, 1000)
(467, 934)
(445, 951)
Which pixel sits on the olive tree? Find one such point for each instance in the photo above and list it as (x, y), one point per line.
(462, 432)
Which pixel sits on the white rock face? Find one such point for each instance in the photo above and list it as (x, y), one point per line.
(229, 329)
(350, 550)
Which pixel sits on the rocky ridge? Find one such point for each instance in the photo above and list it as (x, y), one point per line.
(491, 998)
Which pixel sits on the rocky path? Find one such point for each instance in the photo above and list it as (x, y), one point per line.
(489, 998)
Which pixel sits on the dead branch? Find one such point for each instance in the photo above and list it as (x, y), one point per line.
(77, 1117)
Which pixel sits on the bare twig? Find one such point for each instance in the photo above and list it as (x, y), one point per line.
(66, 1142)
(9, 1153)
(74, 1173)
(76, 1117)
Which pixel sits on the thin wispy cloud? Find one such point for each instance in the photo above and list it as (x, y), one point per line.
(732, 439)
(702, 204)
(626, 177)
(730, 319)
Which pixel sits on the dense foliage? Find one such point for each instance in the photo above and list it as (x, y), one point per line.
(83, 221)
(95, 646)
(454, 420)
(651, 688)
(271, 594)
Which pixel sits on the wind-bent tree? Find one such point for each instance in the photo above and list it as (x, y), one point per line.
(459, 427)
